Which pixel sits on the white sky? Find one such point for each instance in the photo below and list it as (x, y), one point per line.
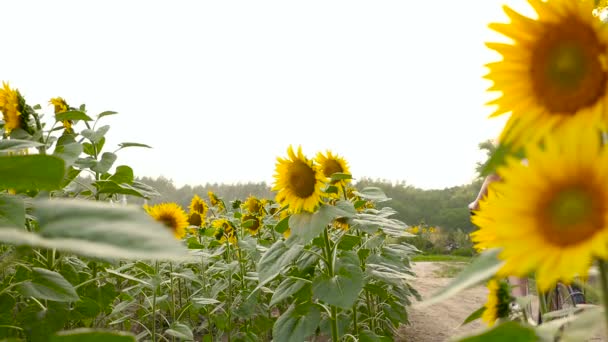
(221, 88)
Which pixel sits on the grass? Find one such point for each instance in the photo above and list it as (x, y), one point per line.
(448, 270)
(440, 257)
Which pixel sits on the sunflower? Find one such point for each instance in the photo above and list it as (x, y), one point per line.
(331, 164)
(10, 108)
(215, 201)
(484, 237)
(253, 205)
(61, 106)
(195, 219)
(555, 70)
(224, 231)
(254, 228)
(499, 301)
(298, 181)
(552, 214)
(198, 205)
(341, 223)
(172, 216)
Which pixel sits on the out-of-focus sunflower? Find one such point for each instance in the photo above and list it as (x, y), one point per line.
(551, 216)
(555, 70)
(198, 205)
(10, 106)
(341, 223)
(253, 205)
(171, 215)
(298, 182)
(499, 301)
(60, 106)
(255, 224)
(216, 201)
(224, 231)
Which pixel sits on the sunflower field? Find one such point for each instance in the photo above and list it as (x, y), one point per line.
(317, 262)
(543, 223)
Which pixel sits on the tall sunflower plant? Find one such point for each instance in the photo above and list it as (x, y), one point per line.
(60, 250)
(546, 219)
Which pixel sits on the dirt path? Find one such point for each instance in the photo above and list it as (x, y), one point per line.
(440, 322)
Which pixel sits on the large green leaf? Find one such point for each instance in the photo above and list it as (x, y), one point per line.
(288, 287)
(111, 187)
(123, 174)
(95, 136)
(372, 193)
(12, 211)
(92, 335)
(344, 287)
(69, 151)
(31, 172)
(481, 269)
(106, 162)
(506, 332)
(17, 145)
(98, 230)
(306, 226)
(275, 258)
(297, 323)
(72, 115)
(48, 285)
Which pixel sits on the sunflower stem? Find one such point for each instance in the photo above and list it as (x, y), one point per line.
(154, 306)
(603, 266)
(329, 256)
(172, 295)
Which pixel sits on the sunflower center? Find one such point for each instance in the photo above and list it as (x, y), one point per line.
(199, 207)
(572, 214)
(567, 70)
(169, 221)
(195, 219)
(330, 167)
(302, 179)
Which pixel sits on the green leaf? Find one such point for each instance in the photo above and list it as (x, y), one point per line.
(205, 301)
(288, 287)
(31, 172)
(574, 328)
(72, 115)
(297, 323)
(106, 162)
(474, 316)
(106, 113)
(17, 145)
(88, 149)
(98, 229)
(282, 226)
(348, 242)
(499, 158)
(68, 152)
(85, 163)
(368, 336)
(275, 258)
(123, 174)
(180, 331)
(48, 285)
(95, 136)
(372, 193)
(506, 332)
(481, 269)
(344, 287)
(92, 335)
(133, 144)
(338, 176)
(111, 187)
(12, 211)
(306, 226)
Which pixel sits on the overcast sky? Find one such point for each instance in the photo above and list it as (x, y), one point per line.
(221, 88)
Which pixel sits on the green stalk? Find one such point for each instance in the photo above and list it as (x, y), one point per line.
(229, 291)
(154, 307)
(172, 295)
(604, 280)
(330, 269)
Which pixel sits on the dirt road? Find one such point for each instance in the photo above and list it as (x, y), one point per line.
(440, 322)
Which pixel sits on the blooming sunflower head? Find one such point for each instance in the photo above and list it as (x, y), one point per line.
(253, 223)
(171, 215)
(11, 107)
(60, 106)
(198, 205)
(298, 182)
(253, 205)
(499, 301)
(331, 164)
(224, 231)
(195, 219)
(554, 71)
(550, 216)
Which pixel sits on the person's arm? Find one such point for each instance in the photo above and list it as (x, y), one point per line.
(483, 191)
